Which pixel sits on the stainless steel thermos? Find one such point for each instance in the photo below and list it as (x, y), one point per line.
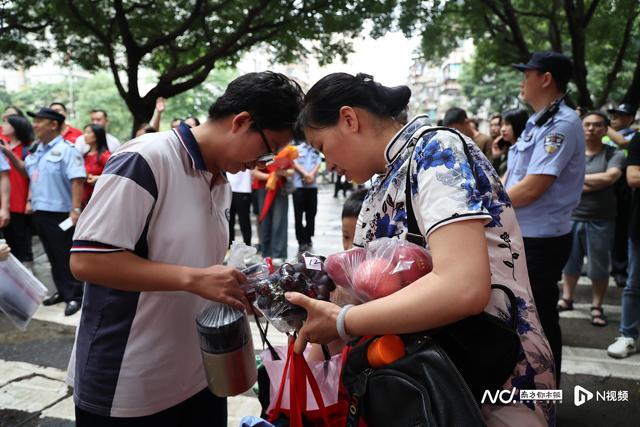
(227, 350)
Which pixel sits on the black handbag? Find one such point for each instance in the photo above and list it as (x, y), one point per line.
(422, 389)
(441, 380)
(483, 347)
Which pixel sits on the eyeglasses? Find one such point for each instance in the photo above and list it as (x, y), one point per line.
(266, 158)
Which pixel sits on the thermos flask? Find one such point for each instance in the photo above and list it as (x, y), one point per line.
(227, 350)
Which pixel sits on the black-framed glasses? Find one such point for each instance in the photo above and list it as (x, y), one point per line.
(266, 158)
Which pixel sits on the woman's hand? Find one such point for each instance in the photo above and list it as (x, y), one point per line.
(91, 179)
(5, 250)
(320, 326)
(5, 217)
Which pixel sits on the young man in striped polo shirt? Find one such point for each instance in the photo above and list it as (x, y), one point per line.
(151, 269)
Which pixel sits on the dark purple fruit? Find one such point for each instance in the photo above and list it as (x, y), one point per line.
(299, 267)
(326, 281)
(286, 269)
(288, 284)
(323, 292)
(264, 302)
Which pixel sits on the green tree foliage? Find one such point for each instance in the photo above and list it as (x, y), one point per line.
(99, 91)
(183, 40)
(490, 84)
(602, 37)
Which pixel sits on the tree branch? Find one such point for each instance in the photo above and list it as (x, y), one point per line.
(180, 30)
(219, 51)
(617, 63)
(633, 91)
(590, 11)
(533, 14)
(106, 41)
(129, 42)
(508, 17)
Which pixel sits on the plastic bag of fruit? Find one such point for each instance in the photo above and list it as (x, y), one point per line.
(306, 276)
(385, 266)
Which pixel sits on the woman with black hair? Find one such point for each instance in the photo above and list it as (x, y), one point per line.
(513, 124)
(463, 214)
(19, 133)
(9, 111)
(95, 159)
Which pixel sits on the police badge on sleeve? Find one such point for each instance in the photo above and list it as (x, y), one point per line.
(553, 141)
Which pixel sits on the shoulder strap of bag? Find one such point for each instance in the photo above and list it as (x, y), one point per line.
(414, 234)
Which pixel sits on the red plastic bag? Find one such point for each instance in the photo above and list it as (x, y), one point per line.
(385, 266)
(297, 378)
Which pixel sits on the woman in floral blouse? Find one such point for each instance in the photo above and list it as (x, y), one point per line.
(467, 220)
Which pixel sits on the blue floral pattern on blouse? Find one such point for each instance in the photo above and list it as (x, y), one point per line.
(447, 185)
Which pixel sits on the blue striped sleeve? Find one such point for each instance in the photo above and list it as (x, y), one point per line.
(133, 166)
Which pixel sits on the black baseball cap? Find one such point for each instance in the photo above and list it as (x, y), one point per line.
(47, 113)
(626, 109)
(559, 65)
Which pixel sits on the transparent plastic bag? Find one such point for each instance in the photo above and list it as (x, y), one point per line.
(222, 328)
(307, 276)
(20, 292)
(385, 266)
(239, 253)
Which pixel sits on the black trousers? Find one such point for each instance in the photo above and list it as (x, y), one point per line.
(57, 244)
(620, 242)
(18, 236)
(546, 257)
(241, 206)
(305, 202)
(203, 409)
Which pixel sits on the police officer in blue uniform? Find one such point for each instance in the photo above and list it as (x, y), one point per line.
(305, 196)
(621, 133)
(57, 174)
(544, 180)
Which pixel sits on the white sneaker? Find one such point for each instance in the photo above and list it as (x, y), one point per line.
(622, 347)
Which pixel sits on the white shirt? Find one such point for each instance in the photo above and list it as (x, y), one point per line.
(138, 353)
(112, 143)
(240, 182)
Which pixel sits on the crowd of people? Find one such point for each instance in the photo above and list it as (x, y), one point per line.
(531, 200)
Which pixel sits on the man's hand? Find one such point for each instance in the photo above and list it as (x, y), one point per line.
(308, 178)
(222, 284)
(5, 250)
(5, 217)
(496, 151)
(74, 215)
(160, 104)
(28, 209)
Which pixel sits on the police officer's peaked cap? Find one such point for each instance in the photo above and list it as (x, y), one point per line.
(47, 113)
(626, 109)
(559, 65)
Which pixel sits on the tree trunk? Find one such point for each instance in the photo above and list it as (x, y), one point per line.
(141, 111)
(575, 19)
(633, 92)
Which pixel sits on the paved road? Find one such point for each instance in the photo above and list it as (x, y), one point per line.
(33, 363)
